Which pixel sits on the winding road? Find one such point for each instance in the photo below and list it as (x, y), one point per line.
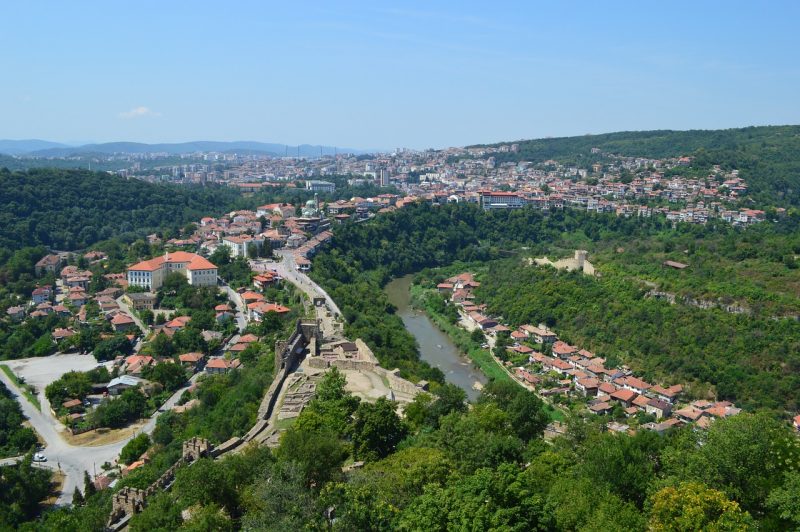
(70, 459)
(328, 315)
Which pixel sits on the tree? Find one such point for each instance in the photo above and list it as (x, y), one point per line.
(526, 411)
(281, 500)
(208, 517)
(694, 506)
(112, 347)
(169, 374)
(319, 454)
(135, 448)
(161, 513)
(785, 500)
(88, 485)
(77, 498)
(161, 346)
(376, 430)
(477, 336)
(744, 456)
(625, 464)
(449, 398)
(147, 317)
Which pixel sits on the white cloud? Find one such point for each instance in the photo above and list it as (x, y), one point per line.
(138, 112)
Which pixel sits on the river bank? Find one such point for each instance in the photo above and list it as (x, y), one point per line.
(462, 338)
(435, 346)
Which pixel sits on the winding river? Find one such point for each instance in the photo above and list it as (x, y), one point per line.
(435, 346)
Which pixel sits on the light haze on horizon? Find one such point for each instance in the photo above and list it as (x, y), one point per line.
(369, 75)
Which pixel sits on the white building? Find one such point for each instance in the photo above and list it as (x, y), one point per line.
(150, 274)
(501, 200)
(320, 186)
(239, 245)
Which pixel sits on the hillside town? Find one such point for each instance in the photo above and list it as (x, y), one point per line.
(609, 183)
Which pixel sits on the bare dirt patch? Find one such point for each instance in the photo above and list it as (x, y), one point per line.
(102, 436)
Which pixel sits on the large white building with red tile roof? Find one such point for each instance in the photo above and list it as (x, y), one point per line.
(150, 274)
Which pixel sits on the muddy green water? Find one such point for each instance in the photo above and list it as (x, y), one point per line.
(435, 346)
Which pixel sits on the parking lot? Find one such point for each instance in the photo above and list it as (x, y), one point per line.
(41, 371)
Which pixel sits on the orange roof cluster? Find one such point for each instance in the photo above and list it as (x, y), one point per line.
(192, 261)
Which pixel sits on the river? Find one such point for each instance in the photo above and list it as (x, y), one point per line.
(435, 346)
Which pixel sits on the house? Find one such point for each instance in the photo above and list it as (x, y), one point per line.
(482, 321)
(540, 335)
(444, 288)
(640, 402)
(601, 408)
(796, 422)
(689, 414)
(557, 365)
(237, 348)
(264, 280)
(48, 264)
(73, 405)
(674, 265)
(722, 409)
(41, 294)
(141, 300)
(518, 335)
(624, 396)
(77, 299)
(606, 388)
(588, 386)
(666, 394)
(563, 349)
(176, 324)
(462, 296)
(220, 365)
(192, 360)
(250, 296)
(62, 334)
(118, 385)
(241, 246)
(259, 309)
(636, 385)
(122, 322)
(662, 427)
(16, 313)
(521, 349)
(659, 408)
(61, 310)
(526, 376)
(135, 364)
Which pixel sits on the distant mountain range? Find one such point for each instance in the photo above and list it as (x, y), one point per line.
(43, 148)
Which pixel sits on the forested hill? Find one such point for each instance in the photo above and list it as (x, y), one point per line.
(768, 156)
(72, 209)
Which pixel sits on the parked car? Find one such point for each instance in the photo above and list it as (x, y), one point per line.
(39, 457)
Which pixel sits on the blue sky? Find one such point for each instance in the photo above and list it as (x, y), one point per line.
(378, 75)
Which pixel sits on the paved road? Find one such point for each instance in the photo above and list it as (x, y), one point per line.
(11, 460)
(287, 269)
(124, 308)
(241, 310)
(73, 459)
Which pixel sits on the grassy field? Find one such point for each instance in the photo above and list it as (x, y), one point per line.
(24, 388)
